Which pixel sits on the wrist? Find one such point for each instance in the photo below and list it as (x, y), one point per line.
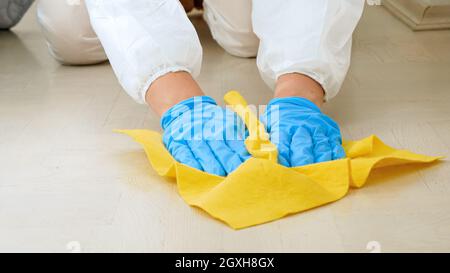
(171, 89)
(299, 85)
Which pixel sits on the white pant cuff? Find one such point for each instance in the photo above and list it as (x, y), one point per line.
(144, 88)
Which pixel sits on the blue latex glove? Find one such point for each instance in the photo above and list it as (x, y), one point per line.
(207, 137)
(302, 133)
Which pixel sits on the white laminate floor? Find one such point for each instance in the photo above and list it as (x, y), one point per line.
(67, 182)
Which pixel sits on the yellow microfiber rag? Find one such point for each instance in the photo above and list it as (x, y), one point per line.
(261, 190)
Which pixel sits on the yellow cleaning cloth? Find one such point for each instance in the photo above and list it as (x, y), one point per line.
(261, 190)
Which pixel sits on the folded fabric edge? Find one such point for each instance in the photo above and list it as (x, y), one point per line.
(237, 226)
(366, 152)
(356, 148)
(426, 158)
(335, 192)
(359, 182)
(311, 172)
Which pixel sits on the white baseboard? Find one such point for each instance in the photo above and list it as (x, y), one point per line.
(421, 14)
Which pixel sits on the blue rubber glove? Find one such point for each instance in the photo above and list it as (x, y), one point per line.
(207, 137)
(302, 133)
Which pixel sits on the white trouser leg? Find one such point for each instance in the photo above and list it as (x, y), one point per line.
(145, 39)
(69, 35)
(309, 37)
(231, 26)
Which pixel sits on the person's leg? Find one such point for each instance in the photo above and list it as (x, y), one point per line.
(11, 11)
(146, 43)
(172, 87)
(231, 26)
(310, 38)
(68, 32)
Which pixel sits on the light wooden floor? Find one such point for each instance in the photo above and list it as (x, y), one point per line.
(67, 181)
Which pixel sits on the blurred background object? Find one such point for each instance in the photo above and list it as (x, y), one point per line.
(11, 11)
(187, 4)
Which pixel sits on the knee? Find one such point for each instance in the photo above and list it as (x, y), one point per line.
(239, 44)
(68, 42)
(233, 32)
(11, 11)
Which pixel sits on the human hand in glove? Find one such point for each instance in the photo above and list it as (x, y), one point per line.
(200, 134)
(302, 133)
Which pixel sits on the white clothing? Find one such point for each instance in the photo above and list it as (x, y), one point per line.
(145, 39)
